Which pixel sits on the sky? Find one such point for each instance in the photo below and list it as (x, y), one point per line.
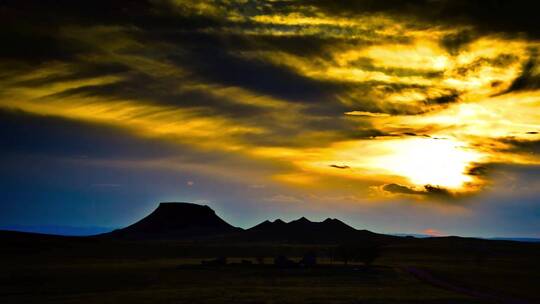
(395, 116)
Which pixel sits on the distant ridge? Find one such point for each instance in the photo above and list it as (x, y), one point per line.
(58, 229)
(303, 230)
(173, 220)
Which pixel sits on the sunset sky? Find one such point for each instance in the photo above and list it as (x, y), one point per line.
(395, 116)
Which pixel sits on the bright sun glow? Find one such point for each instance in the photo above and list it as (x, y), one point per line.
(415, 162)
(431, 161)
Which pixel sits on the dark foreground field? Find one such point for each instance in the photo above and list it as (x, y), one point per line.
(38, 269)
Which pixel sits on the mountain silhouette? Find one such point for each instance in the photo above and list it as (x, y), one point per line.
(303, 230)
(176, 221)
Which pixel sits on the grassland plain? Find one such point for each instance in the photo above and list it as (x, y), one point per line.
(96, 271)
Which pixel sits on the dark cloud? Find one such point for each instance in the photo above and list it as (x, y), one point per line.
(52, 12)
(437, 191)
(520, 145)
(22, 133)
(78, 71)
(454, 42)
(36, 45)
(501, 61)
(367, 65)
(386, 89)
(444, 99)
(31, 29)
(210, 57)
(340, 166)
(478, 170)
(415, 134)
(528, 80)
(157, 90)
(395, 188)
(485, 15)
(301, 45)
(429, 190)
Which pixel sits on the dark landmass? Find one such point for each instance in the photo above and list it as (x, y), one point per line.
(176, 221)
(517, 239)
(305, 231)
(185, 253)
(58, 229)
(186, 221)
